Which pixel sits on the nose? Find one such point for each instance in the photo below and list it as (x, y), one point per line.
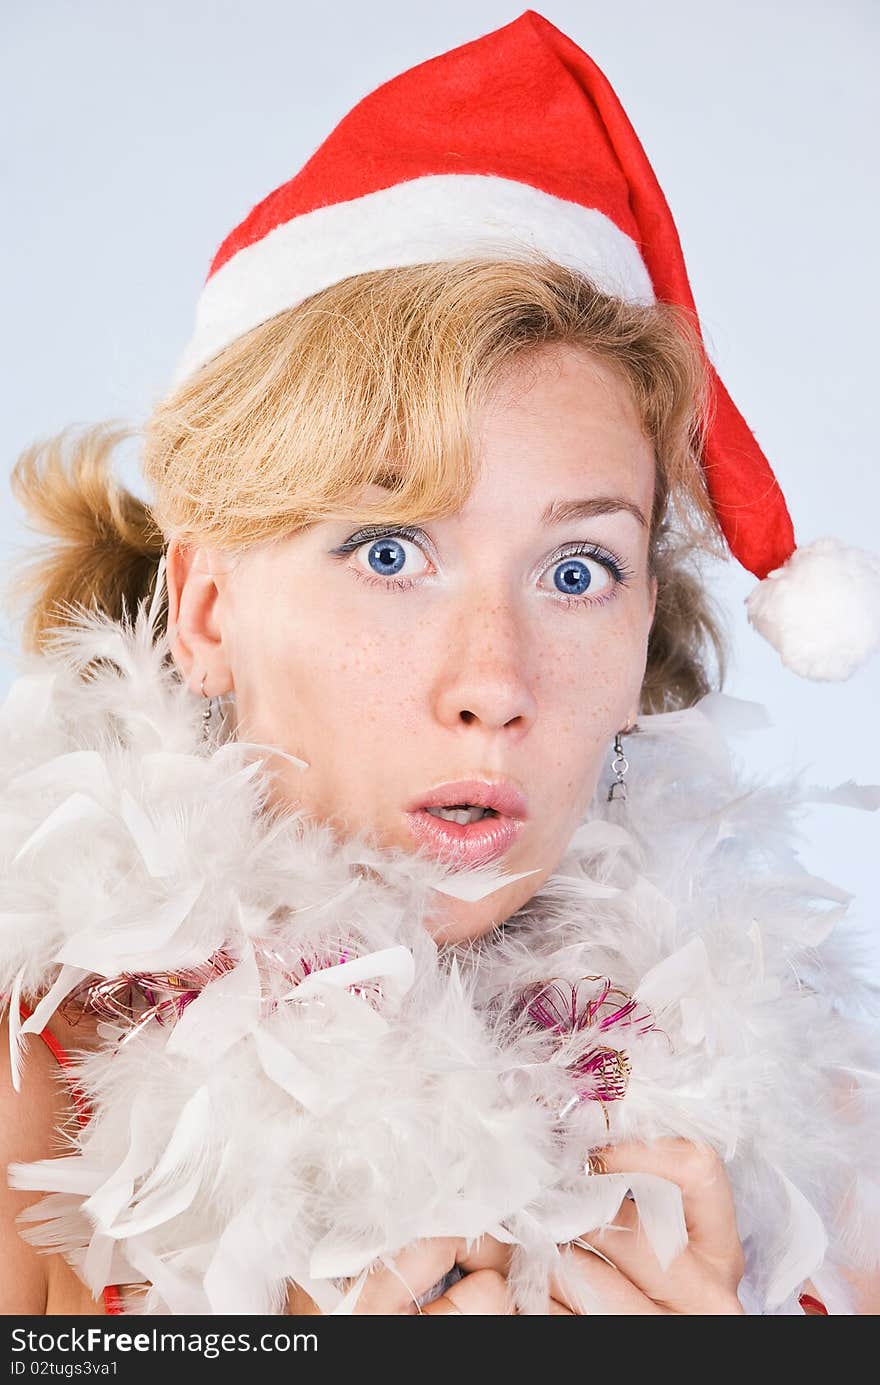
(486, 675)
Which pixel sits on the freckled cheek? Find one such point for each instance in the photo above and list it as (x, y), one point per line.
(333, 688)
(586, 678)
(362, 721)
(586, 690)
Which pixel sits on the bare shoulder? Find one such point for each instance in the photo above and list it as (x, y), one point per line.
(32, 1125)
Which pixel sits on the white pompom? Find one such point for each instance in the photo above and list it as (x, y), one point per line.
(821, 609)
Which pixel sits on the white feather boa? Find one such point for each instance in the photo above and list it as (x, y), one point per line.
(283, 1132)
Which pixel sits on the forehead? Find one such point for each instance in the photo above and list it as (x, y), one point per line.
(558, 426)
(573, 411)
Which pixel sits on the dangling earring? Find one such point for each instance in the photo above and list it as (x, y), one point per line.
(208, 710)
(620, 765)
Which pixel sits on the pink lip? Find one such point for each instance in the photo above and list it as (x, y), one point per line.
(499, 794)
(473, 843)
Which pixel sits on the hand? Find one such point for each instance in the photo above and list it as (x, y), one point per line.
(624, 1276)
(421, 1266)
(481, 1291)
(704, 1277)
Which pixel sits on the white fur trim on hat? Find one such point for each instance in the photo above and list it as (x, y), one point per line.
(821, 609)
(438, 217)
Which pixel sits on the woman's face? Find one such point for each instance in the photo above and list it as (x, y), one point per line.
(492, 645)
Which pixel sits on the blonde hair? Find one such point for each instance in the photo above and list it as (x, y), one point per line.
(374, 380)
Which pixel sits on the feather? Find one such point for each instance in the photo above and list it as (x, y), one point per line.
(77, 810)
(81, 771)
(395, 964)
(16, 1045)
(186, 1143)
(803, 1246)
(127, 947)
(222, 1014)
(233, 1281)
(161, 1206)
(66, 1175)
(291, 1074)
(97, 1265)
(471, 885)
(661, 1213)
(67, 979)
(28, 698)
(349, 1301)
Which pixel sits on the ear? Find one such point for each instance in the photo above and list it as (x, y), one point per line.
(194, 581)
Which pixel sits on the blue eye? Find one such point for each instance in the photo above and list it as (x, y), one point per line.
(573, 576)
(387, 554)
(584, 574)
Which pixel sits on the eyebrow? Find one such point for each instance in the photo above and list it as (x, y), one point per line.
(559, 511)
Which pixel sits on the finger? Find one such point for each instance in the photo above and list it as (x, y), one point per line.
(487, 1253)
(478, 1294)
(588, 1285)
(484, 1254)
(625, 1244)
(559, 1310)
(416, 1269)
(707, 1197)
(440, 1306)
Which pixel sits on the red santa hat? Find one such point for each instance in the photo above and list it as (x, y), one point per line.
(517, 140)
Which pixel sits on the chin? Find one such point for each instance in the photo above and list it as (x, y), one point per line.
(456, 921)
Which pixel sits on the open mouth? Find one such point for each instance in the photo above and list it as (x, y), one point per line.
(462, 813)
(469, 820)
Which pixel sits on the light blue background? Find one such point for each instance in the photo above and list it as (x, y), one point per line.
(138, 135)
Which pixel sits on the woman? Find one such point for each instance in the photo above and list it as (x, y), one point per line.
(427, 527)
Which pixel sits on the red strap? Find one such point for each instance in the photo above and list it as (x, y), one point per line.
(112, 1298)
